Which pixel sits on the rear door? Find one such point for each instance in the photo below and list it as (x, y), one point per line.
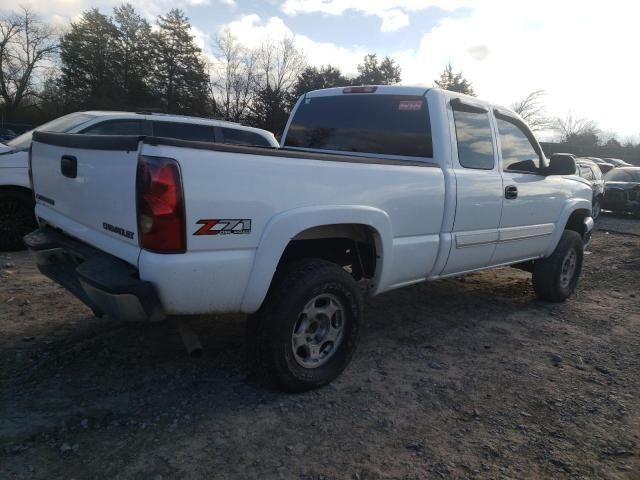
(532, 201)
(86, 186)
(479, 188)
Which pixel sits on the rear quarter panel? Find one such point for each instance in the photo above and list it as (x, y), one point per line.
(281, 197)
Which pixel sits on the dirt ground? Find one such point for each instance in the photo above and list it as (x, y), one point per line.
(462, 378)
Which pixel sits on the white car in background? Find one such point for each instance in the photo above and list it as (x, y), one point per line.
(16, 200)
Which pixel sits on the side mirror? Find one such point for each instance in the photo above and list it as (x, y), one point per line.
(561, 164)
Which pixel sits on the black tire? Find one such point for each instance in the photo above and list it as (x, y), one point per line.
(551, 281)
(16, 218)
(272, 329)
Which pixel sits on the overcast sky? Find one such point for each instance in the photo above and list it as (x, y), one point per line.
(583, 53)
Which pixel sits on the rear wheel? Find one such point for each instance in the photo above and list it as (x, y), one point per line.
(16, 219)
(305, 333)
(556, 277)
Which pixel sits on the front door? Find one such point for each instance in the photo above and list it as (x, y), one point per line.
(532, 202)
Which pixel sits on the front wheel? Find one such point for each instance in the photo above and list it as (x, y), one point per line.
(305, 333)
(556, 277)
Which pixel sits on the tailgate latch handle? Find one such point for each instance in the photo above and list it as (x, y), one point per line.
(69, 166)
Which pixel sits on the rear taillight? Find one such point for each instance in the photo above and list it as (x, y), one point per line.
(161, 217)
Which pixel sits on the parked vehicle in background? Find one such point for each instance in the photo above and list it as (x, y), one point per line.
(392, 184)
(6, 134)
(590, 171)
(603, 165)
(616, 162)
(16, 203)
(622, 190)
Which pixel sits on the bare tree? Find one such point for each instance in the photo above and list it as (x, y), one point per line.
(532, 111)
(571, 128)
(277, 69)
(279, 64)
(27, 45)
(232, 77)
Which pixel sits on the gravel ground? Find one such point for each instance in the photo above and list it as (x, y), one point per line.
(463, 378)
(618, 222)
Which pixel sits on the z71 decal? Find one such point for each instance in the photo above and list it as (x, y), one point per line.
(224, 227)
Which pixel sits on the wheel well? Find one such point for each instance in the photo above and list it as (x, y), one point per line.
(576, 221)
(352, 246)
(15, 188)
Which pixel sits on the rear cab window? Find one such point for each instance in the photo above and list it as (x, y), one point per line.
(395, 125)
(474, 138)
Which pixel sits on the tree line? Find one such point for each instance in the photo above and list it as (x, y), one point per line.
(123, 62)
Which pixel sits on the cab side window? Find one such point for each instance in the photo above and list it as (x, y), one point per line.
(235, 136)
(184, 131)
(475, 143)
(586, 173)
(115, 127)
(518, 153)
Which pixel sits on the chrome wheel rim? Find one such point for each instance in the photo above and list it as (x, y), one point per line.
(318, 331)
(568, 268)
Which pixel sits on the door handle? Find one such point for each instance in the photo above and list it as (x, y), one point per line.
(69, 166)
(511, 192)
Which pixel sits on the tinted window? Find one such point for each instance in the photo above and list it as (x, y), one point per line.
(518, 154)
(115, 127)
(62, 124)
(184, 131)
(242, 137)
(619, 175)
(384, 124)
(475, 144)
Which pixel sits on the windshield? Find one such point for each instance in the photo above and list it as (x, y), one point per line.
(624, 175)
(59, 125)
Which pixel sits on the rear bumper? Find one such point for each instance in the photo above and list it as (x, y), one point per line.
(104, 283)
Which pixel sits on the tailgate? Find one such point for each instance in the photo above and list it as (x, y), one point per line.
(86, 186)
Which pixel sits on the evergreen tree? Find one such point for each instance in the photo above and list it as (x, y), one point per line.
(179, 79)
(133, 57)
(454, 82)
(374, 72)
(89, 56)
(313, 78)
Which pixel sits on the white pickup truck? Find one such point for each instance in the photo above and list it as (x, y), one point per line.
(16, 200)
(395, 185)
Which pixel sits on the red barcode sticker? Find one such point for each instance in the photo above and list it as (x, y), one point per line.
(410, 105)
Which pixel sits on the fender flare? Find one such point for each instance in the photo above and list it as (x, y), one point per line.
(282, 228)
(572, 206)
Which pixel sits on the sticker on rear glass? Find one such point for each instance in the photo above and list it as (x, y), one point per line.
(410, 105)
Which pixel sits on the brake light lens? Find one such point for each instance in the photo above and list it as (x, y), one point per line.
(367, 89)
(160, 199)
